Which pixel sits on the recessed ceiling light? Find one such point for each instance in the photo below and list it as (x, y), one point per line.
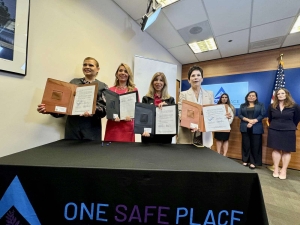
(203, 46)
(165, 3)
(296, 27)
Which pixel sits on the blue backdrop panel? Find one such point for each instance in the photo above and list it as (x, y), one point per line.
(261, 82)
(236, 91)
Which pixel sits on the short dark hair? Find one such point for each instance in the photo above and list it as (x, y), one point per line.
(193, 68)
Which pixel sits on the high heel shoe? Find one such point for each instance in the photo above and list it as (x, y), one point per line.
(282, 177)
(275, 175)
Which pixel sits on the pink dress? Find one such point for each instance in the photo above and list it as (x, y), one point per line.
(122, 131)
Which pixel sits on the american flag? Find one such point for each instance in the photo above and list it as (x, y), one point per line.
(280, 80)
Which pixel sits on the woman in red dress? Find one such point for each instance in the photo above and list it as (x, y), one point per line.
(116, 129)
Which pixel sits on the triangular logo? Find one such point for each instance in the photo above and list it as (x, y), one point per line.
(15, 198)
(218, 95)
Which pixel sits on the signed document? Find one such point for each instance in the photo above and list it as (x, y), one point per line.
(84, 99)
(65, 98)
(127, 105)
(166, 120)
(120, 105)
(215, 118)
(153, 120)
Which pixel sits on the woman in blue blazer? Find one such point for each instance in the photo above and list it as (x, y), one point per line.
(251, 114)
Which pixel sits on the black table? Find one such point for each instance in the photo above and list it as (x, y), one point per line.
(86, 182)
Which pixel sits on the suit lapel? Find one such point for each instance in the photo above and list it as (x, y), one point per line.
(256, 110)
(190, 95)
(245, 111)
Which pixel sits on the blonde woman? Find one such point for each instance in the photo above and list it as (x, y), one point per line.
(116, 129)
(158, 95)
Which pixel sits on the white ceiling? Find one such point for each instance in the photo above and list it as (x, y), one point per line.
(252, 25)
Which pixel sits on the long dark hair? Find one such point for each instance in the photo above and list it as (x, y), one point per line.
(228, 102)
(246, 100)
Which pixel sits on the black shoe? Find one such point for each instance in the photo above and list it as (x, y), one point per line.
(199, 145)
(198, 141)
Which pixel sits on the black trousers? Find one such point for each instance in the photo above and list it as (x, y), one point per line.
(83, 128)
(252, 147)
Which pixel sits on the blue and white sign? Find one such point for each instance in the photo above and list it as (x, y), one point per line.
(236, 91)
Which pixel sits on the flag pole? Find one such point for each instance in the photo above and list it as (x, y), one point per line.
(280, 61)
(281, 55)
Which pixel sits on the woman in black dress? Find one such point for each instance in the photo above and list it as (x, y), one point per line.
(223, 137)
(251, 114)
(284, 116)
(159, 96)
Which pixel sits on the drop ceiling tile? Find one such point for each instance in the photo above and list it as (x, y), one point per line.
(164, 33)
(204, 56)
(196, 32)
(264, 49)
(292, 39)
(183, 54)
(230, 19)
(271, 30)
(266, 11)
(238, 45)
(185, 13)
(228, 16)
(136, 9)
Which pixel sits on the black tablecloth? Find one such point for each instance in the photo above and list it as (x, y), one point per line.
(86, 182)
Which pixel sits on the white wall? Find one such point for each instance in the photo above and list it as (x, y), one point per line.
(61, 34)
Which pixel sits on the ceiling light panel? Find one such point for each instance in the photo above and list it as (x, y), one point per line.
(165, 3)
(296, 27)
(203, 46)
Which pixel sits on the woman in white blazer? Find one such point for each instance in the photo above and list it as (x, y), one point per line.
(198, 95)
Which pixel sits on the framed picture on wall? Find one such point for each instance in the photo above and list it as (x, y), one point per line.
(14, 21)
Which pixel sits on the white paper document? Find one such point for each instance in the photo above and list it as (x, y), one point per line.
(127, 105)
(215, 118)
(84, 99)
(166, 120)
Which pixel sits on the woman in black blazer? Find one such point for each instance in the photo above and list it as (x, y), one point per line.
(251, 114)
(283, 116)
(158, 95)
